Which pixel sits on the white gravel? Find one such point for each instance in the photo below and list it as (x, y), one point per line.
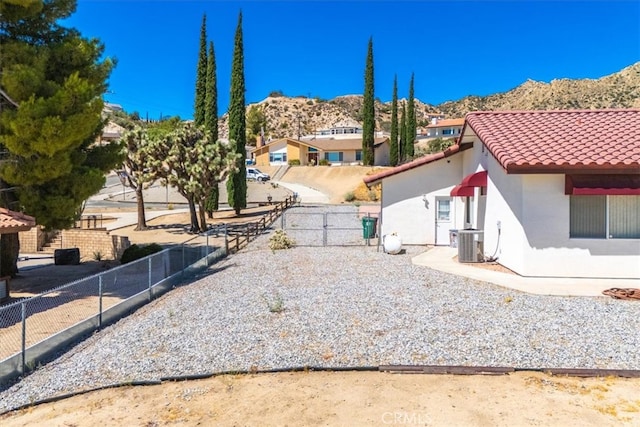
(343, 306)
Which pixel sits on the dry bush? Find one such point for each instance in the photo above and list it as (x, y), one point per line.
(366, 194)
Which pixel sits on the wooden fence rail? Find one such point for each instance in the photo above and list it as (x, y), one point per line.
(240, 235)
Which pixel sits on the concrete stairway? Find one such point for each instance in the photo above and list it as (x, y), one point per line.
(280, 173)
(53, 244)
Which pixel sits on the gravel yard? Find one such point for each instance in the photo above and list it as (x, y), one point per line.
(339, 307)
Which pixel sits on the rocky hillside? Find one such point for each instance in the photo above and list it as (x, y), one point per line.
(285, 116)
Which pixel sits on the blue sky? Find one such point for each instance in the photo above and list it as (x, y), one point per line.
(318, 48)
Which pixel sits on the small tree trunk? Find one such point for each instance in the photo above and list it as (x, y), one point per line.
(142, 221)
(195, 227)
(10, 249)
(203, 220)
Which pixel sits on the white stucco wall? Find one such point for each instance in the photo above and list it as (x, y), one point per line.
(532, 210)
(534, 240)
(406, 213)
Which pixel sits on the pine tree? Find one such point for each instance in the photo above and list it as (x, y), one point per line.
(368, 110)
(411, 122)
(211, 124)
(403, 134)
(237, 183)
(55, 79)
(394, 152)
(201, 76)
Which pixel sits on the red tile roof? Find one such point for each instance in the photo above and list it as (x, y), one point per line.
(12, 222)
(373, 179)
(561, 141)
(549, 141)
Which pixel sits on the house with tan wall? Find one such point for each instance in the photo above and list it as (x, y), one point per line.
(309, 152)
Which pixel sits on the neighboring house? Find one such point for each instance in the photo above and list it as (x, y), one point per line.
(442, 128)
(554, 193)
(341, 130)
(110, 132)
(336, 151)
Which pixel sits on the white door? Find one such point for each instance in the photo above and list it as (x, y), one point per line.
(444, 221)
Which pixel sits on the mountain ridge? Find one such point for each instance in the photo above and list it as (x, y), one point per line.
(290, 116)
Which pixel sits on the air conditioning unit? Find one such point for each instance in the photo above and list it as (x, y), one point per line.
(471, 246)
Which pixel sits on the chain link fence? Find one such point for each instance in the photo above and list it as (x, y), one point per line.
(319, 226)
(33, 329)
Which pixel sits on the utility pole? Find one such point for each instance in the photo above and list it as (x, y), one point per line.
(298, 116)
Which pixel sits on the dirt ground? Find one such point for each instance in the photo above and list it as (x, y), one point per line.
(350, 399)
(342, 398)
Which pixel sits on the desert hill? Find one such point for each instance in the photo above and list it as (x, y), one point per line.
(289, 116)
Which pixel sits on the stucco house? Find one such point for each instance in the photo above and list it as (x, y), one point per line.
(310, 152)
(550, 193)
(442, 128)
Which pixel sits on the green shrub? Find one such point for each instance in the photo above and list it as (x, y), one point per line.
(294, 162)
(135, 252)
(349, 197)
(323, 162)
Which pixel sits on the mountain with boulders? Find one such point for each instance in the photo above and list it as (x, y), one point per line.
(283, 116)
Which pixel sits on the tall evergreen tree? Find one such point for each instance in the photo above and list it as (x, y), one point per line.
(411, 122)
(211, 98)
(237, 182)
(403, 134)
(394, 152)
(201, 76)
(211, 124)
(55, 79)
(368, 110)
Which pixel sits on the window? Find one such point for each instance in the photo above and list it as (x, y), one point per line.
(601, 217)
(333, 156)
(447, 131)
(277, 157)
(444, 210)
(358, 155)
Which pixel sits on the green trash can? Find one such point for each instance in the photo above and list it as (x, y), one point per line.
(369, 227)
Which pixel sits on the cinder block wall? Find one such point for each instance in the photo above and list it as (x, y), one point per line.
(31, 241)
(90, 242)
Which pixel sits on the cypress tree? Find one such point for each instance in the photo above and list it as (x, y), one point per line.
(368, 110)
(237, 182)
(211, 124)
(211, 98)
(394, 152)
(201, 76)
(411, 122)
(403, 134)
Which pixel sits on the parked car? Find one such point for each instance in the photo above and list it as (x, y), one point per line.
(254, 174)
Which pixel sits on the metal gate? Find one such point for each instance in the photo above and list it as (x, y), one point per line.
(329, 226)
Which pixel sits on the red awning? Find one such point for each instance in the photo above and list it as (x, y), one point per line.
(465, 189)
(462, 191)
(478, 179)
(595, 185)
